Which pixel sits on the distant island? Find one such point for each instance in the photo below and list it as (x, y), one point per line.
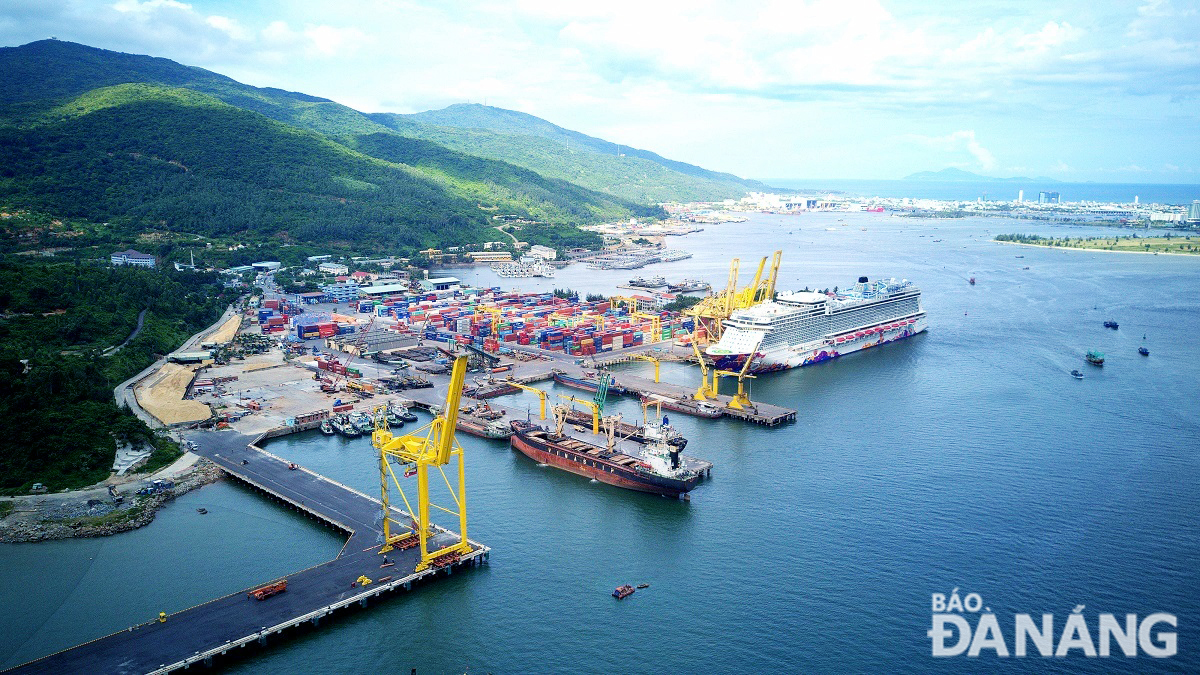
(952, 175)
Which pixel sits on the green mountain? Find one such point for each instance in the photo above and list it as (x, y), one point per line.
(952, 175)
(37, 75)
(552, 150)
(41, 75)
(145, 156)
(200, 158)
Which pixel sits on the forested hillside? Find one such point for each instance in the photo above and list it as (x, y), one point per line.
(148, 156)
(41, 75)
(512, 122)
(56, 320)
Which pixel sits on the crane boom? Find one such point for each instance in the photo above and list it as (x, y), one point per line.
(541, 393)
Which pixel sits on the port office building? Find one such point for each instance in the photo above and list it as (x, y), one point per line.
(344, 291)
(132, 257)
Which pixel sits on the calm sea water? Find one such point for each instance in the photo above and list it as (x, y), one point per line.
(966, 457)
(1120, 193)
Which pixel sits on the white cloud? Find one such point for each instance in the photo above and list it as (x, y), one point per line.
(959, 141)
(839, 83)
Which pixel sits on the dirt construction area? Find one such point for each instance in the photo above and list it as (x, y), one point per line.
(161, 394)
(226, 332)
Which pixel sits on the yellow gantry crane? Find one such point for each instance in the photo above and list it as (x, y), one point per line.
(636, 312)
(431, 446)
(541, 394)
(711, 312)
(741, 400)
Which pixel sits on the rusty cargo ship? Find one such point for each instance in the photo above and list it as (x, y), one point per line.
(656, 466)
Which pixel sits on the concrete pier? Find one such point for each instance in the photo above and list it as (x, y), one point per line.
(207, 632)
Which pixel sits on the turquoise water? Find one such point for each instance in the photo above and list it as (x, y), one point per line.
(966, 457)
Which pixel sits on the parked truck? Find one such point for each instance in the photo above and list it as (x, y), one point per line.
(267, 591)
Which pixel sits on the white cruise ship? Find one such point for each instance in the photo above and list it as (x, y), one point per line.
(800, 328)
(520, 269)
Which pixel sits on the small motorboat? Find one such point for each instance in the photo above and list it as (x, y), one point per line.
(1143, 351)
(643, 585)
(622, 592)
(1076, 374)
(1111, 324)
(202, 511)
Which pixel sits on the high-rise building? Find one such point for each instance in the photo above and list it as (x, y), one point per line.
(1194, 212)
(1020, 196)
(1045, 197)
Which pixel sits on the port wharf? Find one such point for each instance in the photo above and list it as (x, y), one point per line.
(765, 414)
(205, 633)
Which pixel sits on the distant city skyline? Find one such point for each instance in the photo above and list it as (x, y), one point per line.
(855, 89)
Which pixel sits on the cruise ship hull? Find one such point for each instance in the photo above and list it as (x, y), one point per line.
(783, 358)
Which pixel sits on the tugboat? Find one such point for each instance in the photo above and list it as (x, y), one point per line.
(1094, 357)
(1143, 351)
(1076, 374)
(403, 413)
(1111, 324)
(344, 427)
(363, 423)
(393, 419)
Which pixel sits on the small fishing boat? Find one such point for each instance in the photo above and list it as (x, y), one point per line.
(1143, 351)
(1094, 357)
(643, 585)
(1111, 324)
(202, 511)
(622, 592)
(1076, 374)
(327, 428)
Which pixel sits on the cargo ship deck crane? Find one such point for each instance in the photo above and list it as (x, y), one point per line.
(431, 446)
(541, 393)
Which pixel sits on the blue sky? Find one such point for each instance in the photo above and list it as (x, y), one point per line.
(1100, 91)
